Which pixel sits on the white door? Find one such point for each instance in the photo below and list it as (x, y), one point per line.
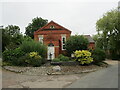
(50, 54)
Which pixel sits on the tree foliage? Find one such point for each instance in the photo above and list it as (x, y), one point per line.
(36, 23)
(12, 30)
(108, 28)
(76, 42)
(98, 41)
(11, 36)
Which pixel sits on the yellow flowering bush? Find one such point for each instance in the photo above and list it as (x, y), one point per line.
(31, 59)
(34, 55)
(83, 56)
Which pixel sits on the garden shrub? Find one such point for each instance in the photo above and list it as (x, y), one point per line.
(30, 59)
(6, 64)
(98, 55)
(83, 56)
(12, 46)
(12, 55)
(56, 60)
(34, 59)
(34, 46)
(7, 55)
(63, 58)
(18, 57)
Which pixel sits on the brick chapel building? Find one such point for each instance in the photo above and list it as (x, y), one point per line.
(54, 37)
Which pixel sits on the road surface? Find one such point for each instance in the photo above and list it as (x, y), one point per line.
(104, 78)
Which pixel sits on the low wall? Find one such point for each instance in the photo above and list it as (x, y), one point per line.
(65, 63)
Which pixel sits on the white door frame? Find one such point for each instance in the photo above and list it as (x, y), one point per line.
(51, 50)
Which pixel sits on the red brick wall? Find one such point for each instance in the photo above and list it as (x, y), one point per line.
(91, 45)
(52, 38)
(56, 40)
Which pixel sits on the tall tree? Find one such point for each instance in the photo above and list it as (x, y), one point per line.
(37, 23)
(98, 40)
(108, 26)
(10, 35)
(12, 30)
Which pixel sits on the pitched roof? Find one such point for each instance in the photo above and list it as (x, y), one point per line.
(50, 23)
(90, 39)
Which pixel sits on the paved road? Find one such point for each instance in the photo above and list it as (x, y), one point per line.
(105, 78)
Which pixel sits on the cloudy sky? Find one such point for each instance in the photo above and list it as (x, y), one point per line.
(79, 16)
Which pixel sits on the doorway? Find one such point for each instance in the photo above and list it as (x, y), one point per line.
(51, 52)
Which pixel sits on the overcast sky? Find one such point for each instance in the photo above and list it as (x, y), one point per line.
(79, 16)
